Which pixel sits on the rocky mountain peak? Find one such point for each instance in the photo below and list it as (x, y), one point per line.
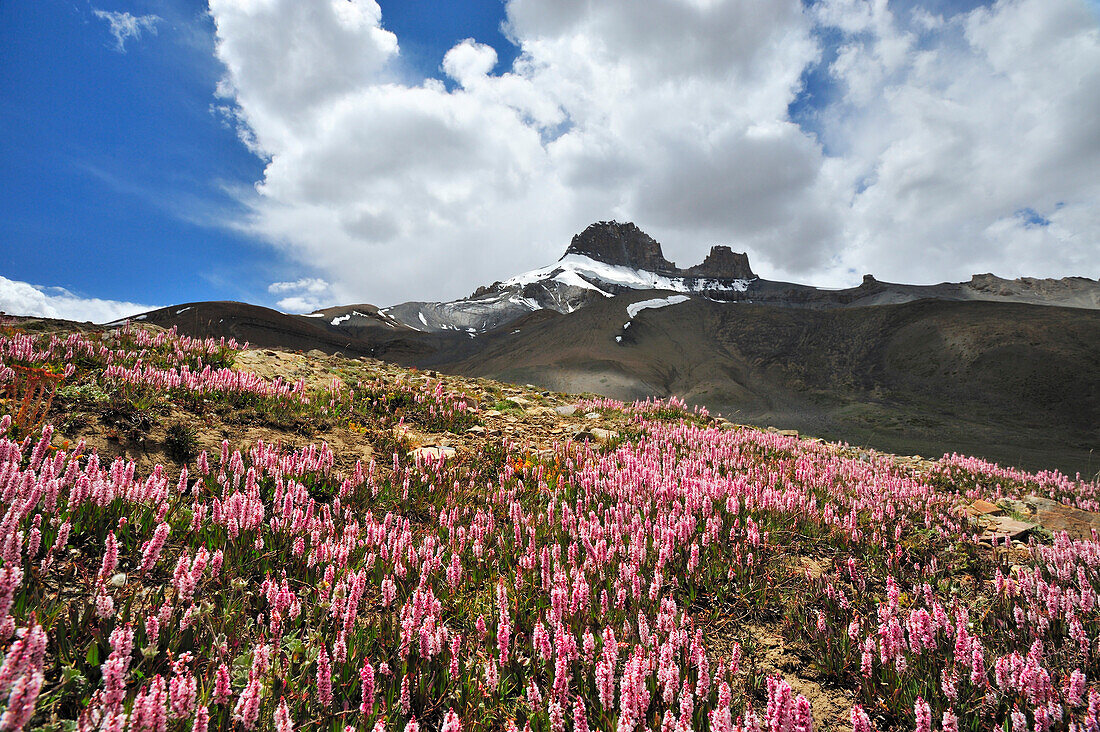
(622, 244)
(723, 264)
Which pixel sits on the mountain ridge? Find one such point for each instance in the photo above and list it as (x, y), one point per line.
(1005, 369)
(609, 258)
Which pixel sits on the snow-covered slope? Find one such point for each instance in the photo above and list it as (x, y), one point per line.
(587, 272)
(563, 287)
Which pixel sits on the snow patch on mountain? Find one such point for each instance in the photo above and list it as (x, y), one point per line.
(581, 271)
(571, 283)
(633, 309)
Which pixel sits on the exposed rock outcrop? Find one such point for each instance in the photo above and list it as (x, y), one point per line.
(621, 244)
(624, 244)
(723, 264)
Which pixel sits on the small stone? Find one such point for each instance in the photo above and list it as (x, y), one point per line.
(595, 434)
(593, 415)
(602, 435)
(476, 430)
(118, 580)
(566, 410)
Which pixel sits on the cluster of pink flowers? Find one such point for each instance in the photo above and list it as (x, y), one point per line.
(21, 676)
(998, 481)
(649, 407)
(118, 347)
(266, 589)
(207, 381)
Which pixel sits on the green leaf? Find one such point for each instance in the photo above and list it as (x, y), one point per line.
(93, 654)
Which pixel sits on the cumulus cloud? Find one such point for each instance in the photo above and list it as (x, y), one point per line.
(300, 296)
(21, 298)
(675, 116)
(124, 26)
(949, 129)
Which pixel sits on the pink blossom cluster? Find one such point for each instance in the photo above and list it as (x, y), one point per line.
(121, 346)
(206, 381)
(267, 589)
(996, 481)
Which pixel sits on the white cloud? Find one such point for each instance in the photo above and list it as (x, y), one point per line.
(21, 298)
(470, 62)
(673, 115)
(312, 285)
(124, 26)
(945, 143)
(297, 304)
(301, 296)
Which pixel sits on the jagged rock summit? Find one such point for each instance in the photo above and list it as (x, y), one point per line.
(605, 260)
(723, 264)
(625, 245)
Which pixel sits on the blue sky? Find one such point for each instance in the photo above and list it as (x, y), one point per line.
(119, 175)
(127, 182)
(115, 162)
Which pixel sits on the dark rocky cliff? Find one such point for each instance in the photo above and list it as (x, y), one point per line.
(625, 245)
(621, 244)
(723, 264)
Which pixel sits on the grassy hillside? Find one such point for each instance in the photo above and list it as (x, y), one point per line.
(203, 538)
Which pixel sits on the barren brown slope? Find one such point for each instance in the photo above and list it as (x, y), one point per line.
(1015, 383)
(267, 328)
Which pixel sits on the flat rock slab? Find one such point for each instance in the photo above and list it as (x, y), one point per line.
(984, 508)
(1056, 517)
(1003, 527)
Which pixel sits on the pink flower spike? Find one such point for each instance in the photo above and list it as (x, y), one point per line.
(451, 722)
(282, 717)
(923, 715)
(324, 679)
(860, 721)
